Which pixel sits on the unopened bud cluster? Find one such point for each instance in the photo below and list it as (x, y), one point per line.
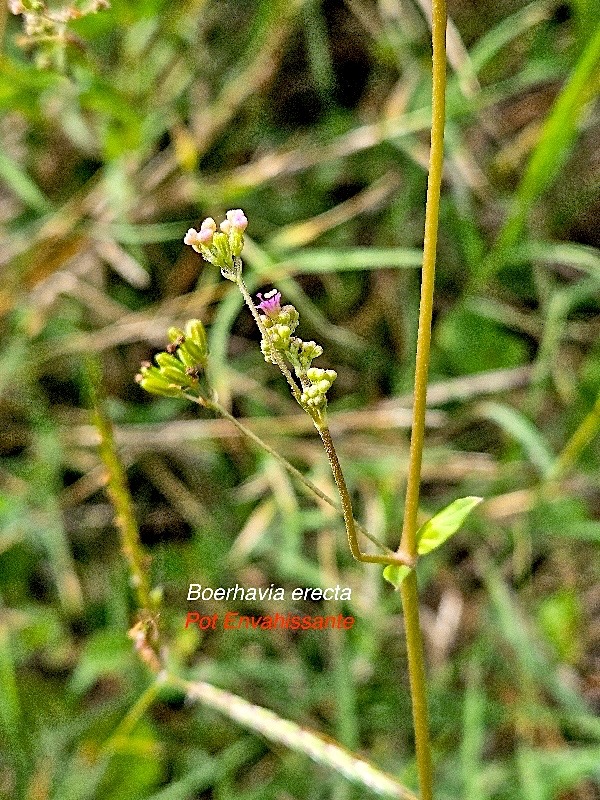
(280, 322)
(315, 396)
(180, 367)
(223, 247)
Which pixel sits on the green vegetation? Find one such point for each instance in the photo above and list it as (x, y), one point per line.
(122, 128)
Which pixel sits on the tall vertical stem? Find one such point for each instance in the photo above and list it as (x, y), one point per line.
(436, 158)
(418, 686)
(408, 543)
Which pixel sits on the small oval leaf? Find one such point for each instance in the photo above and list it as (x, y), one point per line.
(444, 524)
(395, 574)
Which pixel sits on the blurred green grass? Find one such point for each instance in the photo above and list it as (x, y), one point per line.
(313, 118)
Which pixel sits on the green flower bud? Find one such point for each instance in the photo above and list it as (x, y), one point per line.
(221, 251)
(185, 356)
(289, 316)
(267, 351)
(310, 351)
(173, 369)
(177, 377)
(194, 330)
(152, 380)
(315, 374)
(166, 360)
(192, 355)
(280, 336)
(309, 399)
(158, 387)
(176, 335)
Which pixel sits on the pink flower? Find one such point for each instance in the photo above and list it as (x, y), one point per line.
(191, 237)
(208, 225)
(202, 237)
(205, 236)
(237, 220)
(270, 304)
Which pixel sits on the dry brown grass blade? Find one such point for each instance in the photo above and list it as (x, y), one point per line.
(308, 155)
(167, 435)
(282, 731)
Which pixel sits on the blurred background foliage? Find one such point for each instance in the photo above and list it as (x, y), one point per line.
(122, 128)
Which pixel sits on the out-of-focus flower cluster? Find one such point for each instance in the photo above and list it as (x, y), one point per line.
(180, 367)
(222, 248)
(46, 23)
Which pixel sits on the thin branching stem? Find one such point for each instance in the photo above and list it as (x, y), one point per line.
(214, 405)
(399, 558)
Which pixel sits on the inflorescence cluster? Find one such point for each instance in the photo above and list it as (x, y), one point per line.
(280, 322)
(222, 248)
(179, 369)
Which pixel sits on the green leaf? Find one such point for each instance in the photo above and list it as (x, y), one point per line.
(556, 139)
(106, 652)
(19, 182)
(434, 533)
(395, 574)
(444, 524)
(471, 343)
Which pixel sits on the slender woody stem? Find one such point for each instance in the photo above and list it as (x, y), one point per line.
(398, 558)
(418, 686)
(408, 543)
(213, 405)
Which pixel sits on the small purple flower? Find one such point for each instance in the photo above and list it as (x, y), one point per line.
(270, 304)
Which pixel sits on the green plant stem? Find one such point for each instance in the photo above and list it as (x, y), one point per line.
(408, 542)
(121, 735)
(214, 405)
(418, 687)
(583, 435)
(400, 558)
(318, 416)
(436, 158)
